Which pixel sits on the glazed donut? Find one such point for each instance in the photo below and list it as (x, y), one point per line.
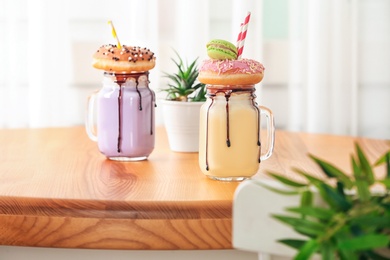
(126, 59)
(231, 72)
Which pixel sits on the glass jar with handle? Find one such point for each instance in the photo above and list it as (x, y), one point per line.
(230, 148)
(125, 111)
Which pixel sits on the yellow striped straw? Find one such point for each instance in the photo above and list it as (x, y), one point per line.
(114, 34)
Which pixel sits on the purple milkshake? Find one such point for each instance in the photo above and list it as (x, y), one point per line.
(125, 117)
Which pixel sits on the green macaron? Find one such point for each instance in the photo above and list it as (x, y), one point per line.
(221, 50)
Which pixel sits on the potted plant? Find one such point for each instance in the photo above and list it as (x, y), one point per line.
(181, 107)
(350, 221)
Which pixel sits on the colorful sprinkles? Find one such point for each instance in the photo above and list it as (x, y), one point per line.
(126, 53)
(244, 66)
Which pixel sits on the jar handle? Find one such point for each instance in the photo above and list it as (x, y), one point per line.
(270, 132)
(89, 121)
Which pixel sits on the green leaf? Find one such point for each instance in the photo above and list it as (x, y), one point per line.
(333, 198)
(376, 222)
(327, 251)
(348, 255)
(365, 242)
(362, 184)
(344, 234)
(294, 243)
(306, 198)
(307, 250)
(329, 194)
(385, 182)
(302, 226)
(340, 188)
(384, 159)
(316, 212)
(333, 172)
(313, 180)
(365, 165)
(286, 181)
(279, 191)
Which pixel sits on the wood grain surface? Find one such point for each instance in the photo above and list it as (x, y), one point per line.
(57, 190)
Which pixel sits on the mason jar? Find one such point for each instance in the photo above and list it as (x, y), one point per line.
(230, 148)
(125, 117)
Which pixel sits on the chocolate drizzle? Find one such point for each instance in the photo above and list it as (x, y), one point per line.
(227, 92)
(153, 97)
(254, 104)
(227, 96)
(120, 79)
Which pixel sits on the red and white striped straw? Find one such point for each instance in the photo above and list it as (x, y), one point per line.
(242, 36)
(239, 36)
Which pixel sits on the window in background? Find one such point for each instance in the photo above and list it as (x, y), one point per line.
(326, 61)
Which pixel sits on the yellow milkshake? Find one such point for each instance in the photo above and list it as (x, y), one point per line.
(229, 139)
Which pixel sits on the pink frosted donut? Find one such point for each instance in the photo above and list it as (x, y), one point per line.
(231, 72)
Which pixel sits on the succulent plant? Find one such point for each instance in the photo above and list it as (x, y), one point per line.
(183, 85)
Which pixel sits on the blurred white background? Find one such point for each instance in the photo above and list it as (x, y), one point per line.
(327, 61)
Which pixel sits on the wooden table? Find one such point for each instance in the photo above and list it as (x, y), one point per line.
(57, 190)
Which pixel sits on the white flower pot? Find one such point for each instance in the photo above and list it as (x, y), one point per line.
(181, 121)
